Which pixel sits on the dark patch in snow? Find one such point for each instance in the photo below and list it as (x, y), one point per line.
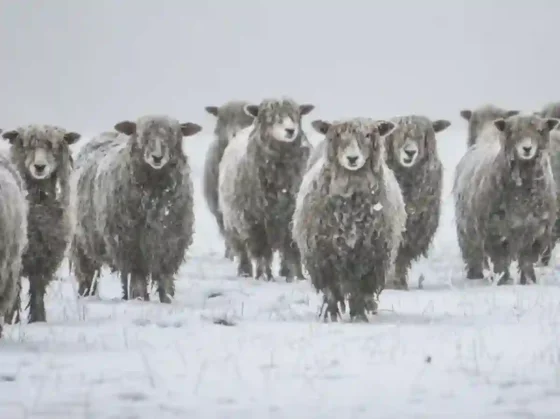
(133, 396)
(223, 322)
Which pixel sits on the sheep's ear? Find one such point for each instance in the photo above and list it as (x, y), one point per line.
(440, 125)
(126, 127)
(321, 126)
(71, 137)
(466, 114)
(212, 110)
(11, 136)
(385, 127)
(552, 123)
(251, 110)
(512, 112)
(306, 108)
(190, 128)
(500, 123)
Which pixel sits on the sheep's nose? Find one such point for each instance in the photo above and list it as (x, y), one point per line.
(352, 159)
(527, 150)
(40, 167)
(410, 153)
(290, 131)
(157, 159)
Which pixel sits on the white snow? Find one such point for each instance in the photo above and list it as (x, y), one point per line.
(452, 349)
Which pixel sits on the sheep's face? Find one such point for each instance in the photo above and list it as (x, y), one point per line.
(352, 144)
(479, 118)
(158, 138)
(231, 119)
(525, 136)
(413, 138)
(279, 120)
(40, 149)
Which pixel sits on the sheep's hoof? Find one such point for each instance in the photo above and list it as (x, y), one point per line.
(504, 279)
(360, 318)
(474, 274)
(371, 306)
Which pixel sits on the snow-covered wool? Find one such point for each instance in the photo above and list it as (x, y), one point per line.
(134, 206)
(231, 119)
(42, 156)
(552, 110)
(13, 228)
(350, 216)
(260, 174)
(505, 198)
(413, 157)
(481, 118)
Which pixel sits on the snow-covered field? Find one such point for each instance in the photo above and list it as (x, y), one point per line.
(233, 348)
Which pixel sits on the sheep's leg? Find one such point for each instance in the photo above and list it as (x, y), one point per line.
(284, 266)
(86, 271)
(500, 257)
(37, 289)
(291, 260)
(239, 248)
(259, 249)
(228, 251)
(165, 287)
(139, 287)
(136, 288)
(125, 285)
(10, 301)
(527, 260)
(264, 266)
(331, 297)
(357, 304)
(473, 256)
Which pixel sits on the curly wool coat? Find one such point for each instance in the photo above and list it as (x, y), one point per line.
(348, 224)
(137, 220)
(421, 183)
(259, 179)
(13, 229)
(505, 206)
(48, 218)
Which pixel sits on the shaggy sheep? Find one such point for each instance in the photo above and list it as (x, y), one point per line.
(134, 206)
(42, 156)
(260, 174)
(505, 198)
(350, 216)
(552, 110)
(231, 118)
(13, 227)
(482, 117)
(412, 155)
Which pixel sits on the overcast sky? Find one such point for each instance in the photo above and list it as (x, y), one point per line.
(86, 64)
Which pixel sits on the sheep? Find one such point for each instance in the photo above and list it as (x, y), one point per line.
(350, 216)
(231, 118)
(316, 153)
(260, 174)
(42, 156)
(505, 198)
(134, 206)
(412, 155)
(482, 117)
(552, 110)
(13, 226)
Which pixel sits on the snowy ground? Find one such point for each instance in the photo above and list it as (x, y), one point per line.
(452, 349)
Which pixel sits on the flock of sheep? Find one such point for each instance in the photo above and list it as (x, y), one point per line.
(355, 211)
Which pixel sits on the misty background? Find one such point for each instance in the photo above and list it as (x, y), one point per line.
(87, 64)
